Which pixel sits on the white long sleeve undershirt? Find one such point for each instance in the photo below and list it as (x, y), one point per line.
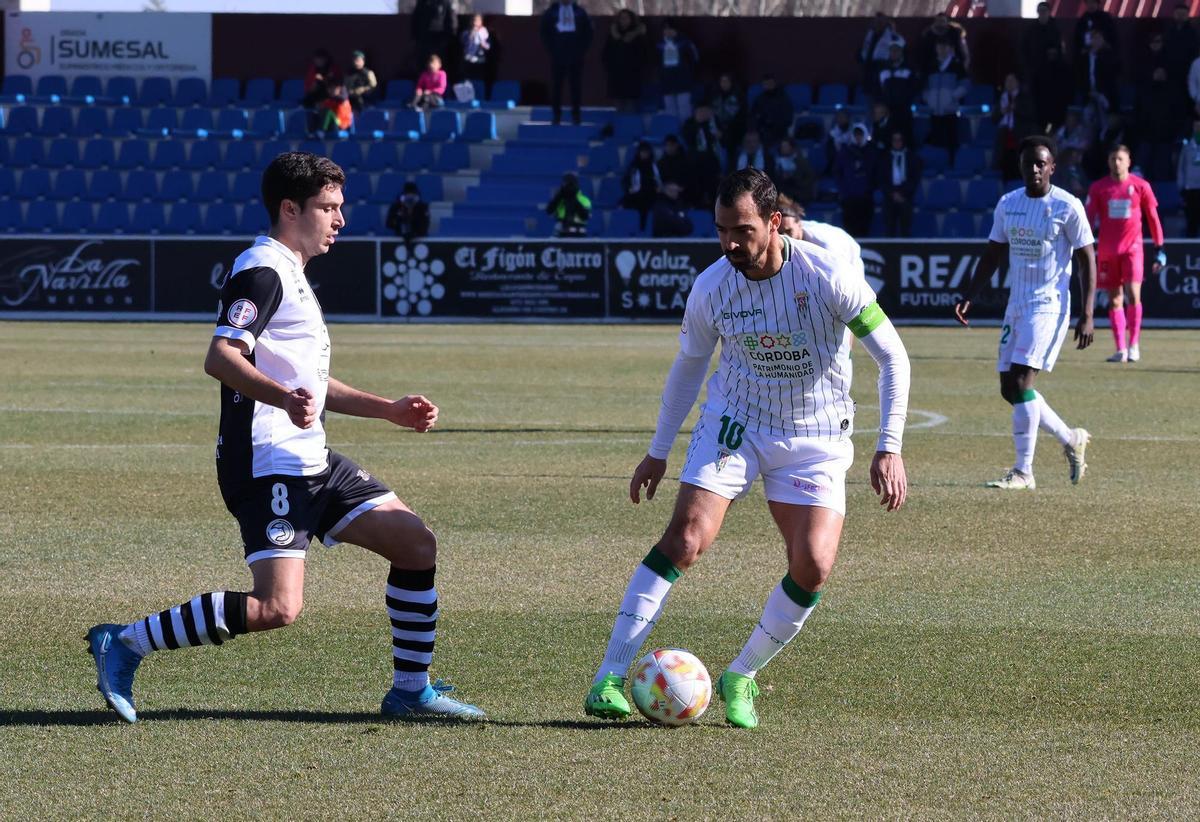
(679, 395)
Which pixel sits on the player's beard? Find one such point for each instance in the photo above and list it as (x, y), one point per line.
(755, 262)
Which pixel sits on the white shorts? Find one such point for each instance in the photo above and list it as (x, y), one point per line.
(1032, 338)
(724, 458)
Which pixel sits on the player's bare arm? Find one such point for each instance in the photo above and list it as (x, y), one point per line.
(227, 362)
(1085, 264)
(989, 261)
(647, 475)
(413, 411)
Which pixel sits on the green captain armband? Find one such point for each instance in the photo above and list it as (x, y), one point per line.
(867, 320)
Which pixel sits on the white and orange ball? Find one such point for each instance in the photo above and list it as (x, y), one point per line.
(671, 687)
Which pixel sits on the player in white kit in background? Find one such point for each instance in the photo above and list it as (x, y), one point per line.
(1042, 229)
(778, 406)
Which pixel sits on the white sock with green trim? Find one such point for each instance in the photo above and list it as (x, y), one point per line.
(783, 616)
(1052, 423)
(643, 602)
(1025, 428)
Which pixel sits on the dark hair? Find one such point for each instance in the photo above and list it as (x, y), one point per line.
(296, 176)
(1115, 147)
(750, 181)
(1034, 141)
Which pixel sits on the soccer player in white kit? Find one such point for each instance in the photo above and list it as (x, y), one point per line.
(795, 224)
(1041, 228)
(778, 406)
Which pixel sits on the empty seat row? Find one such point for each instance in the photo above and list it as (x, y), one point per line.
(45, 216)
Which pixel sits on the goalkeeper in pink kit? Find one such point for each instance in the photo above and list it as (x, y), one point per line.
(1117, 204)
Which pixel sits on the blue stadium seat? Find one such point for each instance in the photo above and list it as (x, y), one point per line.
(265, 123)
(184, 219)
(430, 186)
(611, 192)
(443, 125)
(942, 194)
(239, 154)
(407, 124)
(63, 152)
(56, 120)
(453, 157)
(148, 218)
(801, 95)
(14, 87)
(628, 128)
(4, 158)
(225, 91)
(21, 120)
(271, 149)
(247, 185)
(219, 218)
(41, 216)
(196, 120)
(204, 155)
(357, 188)
(387, 188)
(479, 126)
(959, 224)
(816, 157)
(51, 86)
(832, 95)
(753, 93)
(104, 185)
(399, 93)
(296, 123)
(1167, 194)
(662, 125)
(11, 218)
(91, 122)
(484, 227)
(936, 159)
(111, 218)
(69, 184)
(979, 94)
(505, 90)
(122, 90)
(291, 91)
(981, 194)
(35, 183)
(347, 154)
(167, 154)
(27, 151)
(125, 121)
(969, 161)
(77, 218)
(161, 121)
(702, 222)
(253, 219)
(260, 91)
(924, 224)
(417, 157)
(603, 159)
(368, 221)
(985, 132)
(190, 91)
(212, 187)
(312, 147)
(98, 152)
(371, 123)
(176, 187)
(624, 222)
(381, 156)
(140, 184)
(155, 91)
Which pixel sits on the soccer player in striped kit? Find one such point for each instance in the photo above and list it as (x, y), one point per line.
(1042, 229)
(1117, 203)
(270, 351)
(778, 406)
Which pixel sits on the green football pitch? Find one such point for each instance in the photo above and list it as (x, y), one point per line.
(978, 654)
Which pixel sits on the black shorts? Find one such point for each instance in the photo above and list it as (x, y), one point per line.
(279, 515)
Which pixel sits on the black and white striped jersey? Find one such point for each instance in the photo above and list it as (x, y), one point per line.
(785, 348)
(1042, 233)
(268, 304)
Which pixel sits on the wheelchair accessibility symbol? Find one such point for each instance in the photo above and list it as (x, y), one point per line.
(30, 54)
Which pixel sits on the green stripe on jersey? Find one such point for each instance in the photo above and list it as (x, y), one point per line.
(657, 562)
(867, 321)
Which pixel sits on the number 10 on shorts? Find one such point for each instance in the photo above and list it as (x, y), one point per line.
(731, 433)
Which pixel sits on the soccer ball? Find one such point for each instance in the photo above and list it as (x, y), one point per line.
(671, 687)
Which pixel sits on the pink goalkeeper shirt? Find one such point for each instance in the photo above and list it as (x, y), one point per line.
(1117, 206)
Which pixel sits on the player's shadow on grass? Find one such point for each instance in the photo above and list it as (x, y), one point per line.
(67, 718)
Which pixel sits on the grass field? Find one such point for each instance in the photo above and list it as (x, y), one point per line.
(978, 654)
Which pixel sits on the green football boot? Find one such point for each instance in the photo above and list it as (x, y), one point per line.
(606, 699)
(738, 692)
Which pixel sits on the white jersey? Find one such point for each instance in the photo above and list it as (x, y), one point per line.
(834, 240)
(785, 346)
(1042, 234)
(268, 304)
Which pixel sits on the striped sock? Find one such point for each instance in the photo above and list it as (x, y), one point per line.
(412, 606)
(643, 602)
(208, 619)
(783, 616)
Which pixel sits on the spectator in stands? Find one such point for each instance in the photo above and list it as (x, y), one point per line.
(1014, 122)
(1187, 177)
(793, 175)
(729, 112)
(1069, 173)
(1074, 132)
(882, 125)
(408, 216)
(434, 23)
(1098, 71)
(1039, 37)
(945, 87)
(854, 171)
(1053, 92)
(839, 135)
(1193, 84)
(571, 207)
(1159, 124)
(335, 110)
(942, 30)
(898, 173)
(702, 142)
(431, 85)
(673, 164)
(1093, 20)
(772, 112)
(1115, 132)
(1181, 45)
(476, 51)
(360, 82)
(321, 70)
(670, 217)
(790, 213)
(566, 32)
(753, 154)
(898, 88)
(624, 60)
(873, 55)
(641, 182)
(677, 59)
